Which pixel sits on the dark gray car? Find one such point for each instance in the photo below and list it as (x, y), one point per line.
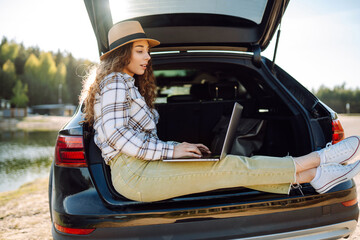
(209, 58)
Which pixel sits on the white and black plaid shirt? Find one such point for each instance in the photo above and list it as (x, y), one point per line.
(124, 123)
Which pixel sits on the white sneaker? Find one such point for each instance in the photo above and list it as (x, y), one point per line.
(343, 151)
(332, 174)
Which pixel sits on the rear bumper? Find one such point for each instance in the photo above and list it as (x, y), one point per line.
(323, 222)
(333, 231)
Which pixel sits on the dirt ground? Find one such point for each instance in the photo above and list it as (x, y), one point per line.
(24, 213)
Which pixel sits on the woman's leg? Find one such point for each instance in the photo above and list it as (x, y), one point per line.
(156, 180)
(324, 170)
(346, 150)
(306, 176)
(306, 162)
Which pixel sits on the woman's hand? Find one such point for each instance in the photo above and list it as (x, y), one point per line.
(191, 150)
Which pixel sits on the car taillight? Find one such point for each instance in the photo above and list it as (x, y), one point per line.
(350, 202)
(78, 231)
(69, 151)
(338, 131)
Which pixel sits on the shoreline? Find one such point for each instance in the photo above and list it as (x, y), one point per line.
(34, 123)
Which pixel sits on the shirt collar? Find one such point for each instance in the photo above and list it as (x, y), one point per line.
(127, 77)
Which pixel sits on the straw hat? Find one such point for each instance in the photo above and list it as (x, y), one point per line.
(126, 32)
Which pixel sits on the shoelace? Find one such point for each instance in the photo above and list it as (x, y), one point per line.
(335, 167)
(297, 186)
(336, 148)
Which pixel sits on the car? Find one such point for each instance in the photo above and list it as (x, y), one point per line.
(209, 58)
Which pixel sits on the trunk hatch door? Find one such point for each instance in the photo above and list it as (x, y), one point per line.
(181, 25)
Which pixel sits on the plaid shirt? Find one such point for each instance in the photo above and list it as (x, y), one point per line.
(124, 123)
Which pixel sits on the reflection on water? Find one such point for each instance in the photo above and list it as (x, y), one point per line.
(24, 156)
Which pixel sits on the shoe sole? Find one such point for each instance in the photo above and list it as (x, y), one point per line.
(357, 148)
(338, 180)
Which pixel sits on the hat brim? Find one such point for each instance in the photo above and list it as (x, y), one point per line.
(152, 43)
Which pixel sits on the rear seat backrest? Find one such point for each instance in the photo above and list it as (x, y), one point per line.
(224, 90)
(181, 98)
(200, 91)
(179, 121)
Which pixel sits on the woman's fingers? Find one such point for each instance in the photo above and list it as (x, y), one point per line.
(193, 155)
(194, 149)
(190, 150)
(203, 148)
(198, 148)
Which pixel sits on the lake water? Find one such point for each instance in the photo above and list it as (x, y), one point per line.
(24, 157)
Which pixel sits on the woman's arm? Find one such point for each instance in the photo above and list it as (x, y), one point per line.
(115, 109)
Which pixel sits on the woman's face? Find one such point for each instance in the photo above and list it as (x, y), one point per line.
(139, 58)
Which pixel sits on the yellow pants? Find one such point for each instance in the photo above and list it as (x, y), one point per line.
(148, 181)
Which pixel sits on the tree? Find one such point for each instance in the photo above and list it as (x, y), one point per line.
(8, 51)
(8, 79)
(48, 76)
(20, 99)
(3, 41)
(20, 60)
(60, 80)
(76, 70)
(59, 58)
(30, 77)
(338, 97)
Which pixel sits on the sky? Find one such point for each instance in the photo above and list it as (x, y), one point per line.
(319, 43)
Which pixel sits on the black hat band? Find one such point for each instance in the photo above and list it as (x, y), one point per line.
(126, 39)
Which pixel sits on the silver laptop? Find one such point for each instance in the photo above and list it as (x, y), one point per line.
(229, 137)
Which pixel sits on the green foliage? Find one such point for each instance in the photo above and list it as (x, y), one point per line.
(20, 98)
(8, 51)
(31, 72)
(47, 77)
(76, 69)
(338, 97)
(8, 79)
(20, 60)
(31, 76)
(60, 80)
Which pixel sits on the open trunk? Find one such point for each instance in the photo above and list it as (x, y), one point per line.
(195, 99)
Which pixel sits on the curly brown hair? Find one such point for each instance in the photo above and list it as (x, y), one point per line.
(115, 62)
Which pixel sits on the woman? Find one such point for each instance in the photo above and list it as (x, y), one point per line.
(119, 105)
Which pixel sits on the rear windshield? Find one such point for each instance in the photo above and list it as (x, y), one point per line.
(179, 85)
(252, 10)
